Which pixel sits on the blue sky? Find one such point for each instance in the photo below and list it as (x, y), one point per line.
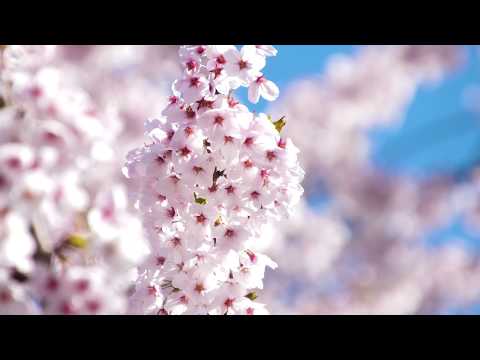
(437, 119)
(438, 134)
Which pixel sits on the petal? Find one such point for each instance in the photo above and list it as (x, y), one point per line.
(258, 62)
(270, 91)
(176, 88)
(223, 87)
(266, 50)
(232, 55)
(254, 93)
(249, 51)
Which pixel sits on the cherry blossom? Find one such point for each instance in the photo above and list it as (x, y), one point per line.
(69, 244)
(206, 185)
(262, 87)
(244, 65)
(365, 250)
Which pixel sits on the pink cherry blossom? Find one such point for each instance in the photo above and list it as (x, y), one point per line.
(203, 193)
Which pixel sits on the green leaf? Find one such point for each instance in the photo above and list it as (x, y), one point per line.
(199, 200)
(279, 124)
(78, 241)
(218, 221)
(252, 296)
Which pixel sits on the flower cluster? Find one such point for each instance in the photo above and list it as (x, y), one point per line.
(211, 178)
(386, 267)
(63, 205)
(355, 93)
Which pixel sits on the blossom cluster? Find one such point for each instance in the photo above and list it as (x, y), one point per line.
(212, 176)
(69, 243)
(369, 235)
(356, 93)
(212, 181)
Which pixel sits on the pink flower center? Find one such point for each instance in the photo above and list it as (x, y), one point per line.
(51, 137)
(242, 64)
(197, 169)
(232, 102)
(218, 120)
(185, 151)
(190, 113)
(66, 308)
(191, 65)
(52, 284)
(201, 219)
(205, 104)
(107, 213)
(248, 164)
(199, 288)
(36, 92)
(221, 60)
(82, 285)
(271, 155)
(176, 241)
(93, 306)
(5, 296)
(194, 82)
(160, 260)
(152, 290)
(217, 72)
(229, 302)
(14, 163)
(248, 141)
(260, 80)
(255, 195)
(229, 233)
(173, 100)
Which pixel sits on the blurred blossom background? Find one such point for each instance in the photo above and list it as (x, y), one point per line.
(389, 139)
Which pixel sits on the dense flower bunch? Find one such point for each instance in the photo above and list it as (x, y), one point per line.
(68, 242)
(213, 175)
(211, 179)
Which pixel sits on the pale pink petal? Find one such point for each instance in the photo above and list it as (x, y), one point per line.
(270, 91)
(254, 93)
